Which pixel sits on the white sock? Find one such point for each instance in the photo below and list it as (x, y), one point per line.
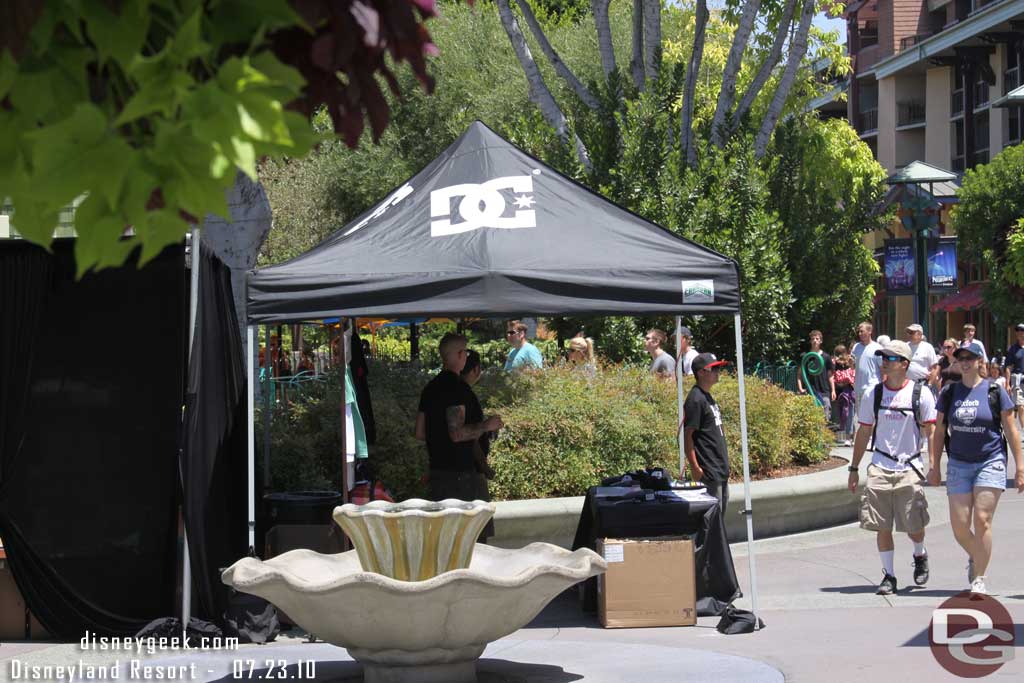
(919, 549)
(887, 560)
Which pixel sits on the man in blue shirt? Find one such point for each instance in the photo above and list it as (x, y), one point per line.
(1013, 369)
(523, 354)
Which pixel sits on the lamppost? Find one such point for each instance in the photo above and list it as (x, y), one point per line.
(920, 216)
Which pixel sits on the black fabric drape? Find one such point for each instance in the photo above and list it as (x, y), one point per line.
(213, 456)
(90, 416)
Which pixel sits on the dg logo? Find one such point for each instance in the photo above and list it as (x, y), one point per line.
(483, 206)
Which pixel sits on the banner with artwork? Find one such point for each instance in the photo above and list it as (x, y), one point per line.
(900, 270)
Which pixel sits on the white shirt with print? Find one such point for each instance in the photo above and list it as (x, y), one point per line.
(896, 434)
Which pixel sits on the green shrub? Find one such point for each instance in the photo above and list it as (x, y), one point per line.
(564, 430)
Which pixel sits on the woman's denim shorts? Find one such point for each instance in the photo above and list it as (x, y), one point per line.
(963, 477)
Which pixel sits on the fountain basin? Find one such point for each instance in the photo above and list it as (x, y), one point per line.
(415, 539)
(424, 631)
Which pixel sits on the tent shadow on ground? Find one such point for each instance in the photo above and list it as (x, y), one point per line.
(489, 670)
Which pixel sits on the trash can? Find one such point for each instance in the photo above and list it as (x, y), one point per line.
(301, 507)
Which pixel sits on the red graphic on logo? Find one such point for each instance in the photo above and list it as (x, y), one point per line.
(971, 635)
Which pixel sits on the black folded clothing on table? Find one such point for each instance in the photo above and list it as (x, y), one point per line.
(654, 478)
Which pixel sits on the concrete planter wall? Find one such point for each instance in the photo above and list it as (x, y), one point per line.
(781, 506)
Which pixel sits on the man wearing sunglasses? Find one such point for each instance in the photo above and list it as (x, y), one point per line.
(894, 497)
(523, 354)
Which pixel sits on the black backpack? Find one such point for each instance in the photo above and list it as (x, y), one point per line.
(993, 405)
(915, 406)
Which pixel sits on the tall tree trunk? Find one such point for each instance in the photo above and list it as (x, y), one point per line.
(539, 92)
(797, 49)
(604, 35)
(652, 37)
(560, 67)
(727, 95)
(774, 55)
(636, 64)
(686, 142)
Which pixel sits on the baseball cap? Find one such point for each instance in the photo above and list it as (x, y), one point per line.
(974, 348)
(1019, 327)
(685, 331)
(706, 360)
(896, 347)
(914, 327)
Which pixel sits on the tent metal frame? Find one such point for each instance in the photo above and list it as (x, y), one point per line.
(747, 511)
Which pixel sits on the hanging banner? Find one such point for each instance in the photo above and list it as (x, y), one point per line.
(899, 267)
(900, 271)
(942, 273)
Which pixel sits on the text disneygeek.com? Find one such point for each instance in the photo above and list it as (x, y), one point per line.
(134, 667)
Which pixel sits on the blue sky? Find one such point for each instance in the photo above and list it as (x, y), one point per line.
(827, 23)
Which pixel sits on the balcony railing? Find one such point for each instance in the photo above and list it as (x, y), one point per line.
(957, 102)
(980, 94)
(1011, 79)
(867, 120)
(911, 41)
(909, 113)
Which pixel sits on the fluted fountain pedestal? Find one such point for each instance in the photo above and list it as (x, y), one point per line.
(432, 628)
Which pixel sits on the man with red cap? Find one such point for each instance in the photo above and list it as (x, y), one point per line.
(704, 438)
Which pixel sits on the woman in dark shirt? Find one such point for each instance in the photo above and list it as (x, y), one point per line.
(948, 370)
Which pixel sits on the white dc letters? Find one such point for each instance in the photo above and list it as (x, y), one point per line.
(482, 206)
(941, 636)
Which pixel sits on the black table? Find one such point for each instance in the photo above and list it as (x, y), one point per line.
(664, 516)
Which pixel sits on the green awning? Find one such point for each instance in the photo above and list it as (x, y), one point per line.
(920, 172)
(1014, 98)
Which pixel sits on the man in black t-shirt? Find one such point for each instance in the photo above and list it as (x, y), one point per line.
(704, 437)
(1013, 370)
(441, 422)
(823, 383)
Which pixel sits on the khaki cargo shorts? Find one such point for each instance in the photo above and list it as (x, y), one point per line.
(893, 499)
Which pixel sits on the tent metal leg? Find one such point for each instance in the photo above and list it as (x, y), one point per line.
(193, 309)
(251, 437)
(679, 394)
(747, 510)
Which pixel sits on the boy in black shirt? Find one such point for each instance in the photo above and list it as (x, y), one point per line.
(704, 437)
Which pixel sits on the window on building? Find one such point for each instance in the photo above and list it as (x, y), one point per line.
(956, 129)
(980, 139)
(868, 34)
(1013, 128)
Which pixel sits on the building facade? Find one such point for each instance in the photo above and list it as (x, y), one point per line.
(928, 80)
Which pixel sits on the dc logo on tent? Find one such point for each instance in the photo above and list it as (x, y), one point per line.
(483, 206)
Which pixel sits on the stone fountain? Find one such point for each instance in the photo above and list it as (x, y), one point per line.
(418, 599)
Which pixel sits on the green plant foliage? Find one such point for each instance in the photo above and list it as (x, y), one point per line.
(824, 185)
(564, 430)
(987, 221)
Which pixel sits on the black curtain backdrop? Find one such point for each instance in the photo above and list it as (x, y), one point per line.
(91, 386)
(213, 458)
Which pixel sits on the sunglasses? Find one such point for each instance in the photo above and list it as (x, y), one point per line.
(948, 348)
(893, 359)
(509, 333)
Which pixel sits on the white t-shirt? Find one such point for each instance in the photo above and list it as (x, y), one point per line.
(896, 433)
(869, 366)
(924, 359)
(688, 360)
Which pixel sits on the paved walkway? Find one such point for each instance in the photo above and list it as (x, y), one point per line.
(824, 622)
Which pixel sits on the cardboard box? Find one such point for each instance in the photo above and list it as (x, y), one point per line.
(649, 582)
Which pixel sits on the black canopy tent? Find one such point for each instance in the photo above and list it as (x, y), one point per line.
(488, 230)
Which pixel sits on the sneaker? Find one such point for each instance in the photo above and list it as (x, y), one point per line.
(978, 586)
(921, 570)
(970, 570)
(847, 442)
(888, 585)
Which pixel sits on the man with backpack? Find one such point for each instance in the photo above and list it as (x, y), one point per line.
(979, 413)
(900, 413)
